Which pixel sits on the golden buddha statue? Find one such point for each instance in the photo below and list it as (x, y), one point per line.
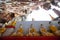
(32, 31)
(20, 31)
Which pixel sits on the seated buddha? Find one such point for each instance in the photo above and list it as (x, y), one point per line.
(54, 29)
(20, 31)
(44, 31)
(32, 31)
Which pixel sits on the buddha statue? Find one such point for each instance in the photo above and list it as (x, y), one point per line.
(20, 31)
(32, 31)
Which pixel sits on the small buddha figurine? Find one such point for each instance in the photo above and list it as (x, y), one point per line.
(54, 29)
(20, 31)
(45, 32)
(32, 31)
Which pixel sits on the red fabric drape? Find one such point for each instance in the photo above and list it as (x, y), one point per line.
(30, 38)
(9, 26)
